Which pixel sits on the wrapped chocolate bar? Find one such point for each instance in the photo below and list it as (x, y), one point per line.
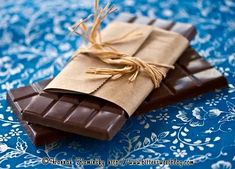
(118, 69)
(189, 65)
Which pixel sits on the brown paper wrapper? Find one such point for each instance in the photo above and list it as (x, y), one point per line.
(154, 46)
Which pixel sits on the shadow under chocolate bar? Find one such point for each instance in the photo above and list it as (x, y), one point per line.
(189, 66)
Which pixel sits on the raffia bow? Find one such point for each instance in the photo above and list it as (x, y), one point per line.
(104, 51)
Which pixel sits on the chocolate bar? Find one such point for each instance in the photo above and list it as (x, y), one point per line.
(100, 119)
(22, 101)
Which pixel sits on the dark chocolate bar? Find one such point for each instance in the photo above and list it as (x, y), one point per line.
(100, 119)
(36, 129)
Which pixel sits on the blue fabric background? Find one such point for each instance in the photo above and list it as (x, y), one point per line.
(34, 45)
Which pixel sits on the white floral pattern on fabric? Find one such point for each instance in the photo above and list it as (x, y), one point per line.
(180, 153)
(35, 45)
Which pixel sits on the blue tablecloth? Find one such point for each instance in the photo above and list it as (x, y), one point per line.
(34, 45)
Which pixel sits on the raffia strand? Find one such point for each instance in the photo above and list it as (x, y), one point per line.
(104, 51)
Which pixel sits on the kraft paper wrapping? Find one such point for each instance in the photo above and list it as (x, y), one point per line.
(154, 46)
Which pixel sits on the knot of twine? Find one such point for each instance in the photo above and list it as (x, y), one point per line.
(104, 51)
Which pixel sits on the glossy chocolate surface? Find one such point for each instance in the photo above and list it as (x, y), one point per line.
(80, 114)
